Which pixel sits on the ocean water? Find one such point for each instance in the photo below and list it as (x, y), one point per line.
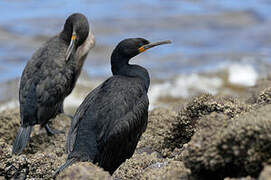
(215, 43)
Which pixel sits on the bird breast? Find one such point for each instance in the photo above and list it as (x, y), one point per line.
(83, 50)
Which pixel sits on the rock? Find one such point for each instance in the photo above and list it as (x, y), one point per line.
(242, 178)
(135, 166)
(41, 157)
(151, 166)
(253, 93)
(9, 125)
(264, 97)
(159, 125)
(186, 124)
(235, 147)
(84, 171)
(39, 165)
(266, 173)
(171, 170)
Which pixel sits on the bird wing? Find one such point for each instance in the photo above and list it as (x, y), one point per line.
(56, 85)
(79, 114)
(119, 138)
(27, 92)
(28, 102)
(55, 75)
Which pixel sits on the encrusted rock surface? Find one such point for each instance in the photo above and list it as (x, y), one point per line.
(207, 137)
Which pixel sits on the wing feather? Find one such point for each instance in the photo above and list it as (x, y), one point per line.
(79, 114)
(121, 138)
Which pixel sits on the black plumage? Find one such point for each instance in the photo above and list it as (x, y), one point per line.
(109, 123)
(50, 76)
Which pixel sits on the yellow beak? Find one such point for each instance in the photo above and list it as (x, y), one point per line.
(71, 46)
(151, 45)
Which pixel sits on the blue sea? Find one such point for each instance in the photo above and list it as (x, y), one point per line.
(209, 38)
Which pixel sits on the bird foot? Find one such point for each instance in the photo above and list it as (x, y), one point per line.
(51, 132)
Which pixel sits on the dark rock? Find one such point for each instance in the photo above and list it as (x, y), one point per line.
(264, 97)
(84, 171)
(235, 147)
(159, 125)
(186, 124)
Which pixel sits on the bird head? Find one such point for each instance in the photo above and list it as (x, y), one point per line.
(75, 32)
(131, 47)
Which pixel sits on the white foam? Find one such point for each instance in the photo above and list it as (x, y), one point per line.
(70, 101)
(73, 101)
(9, 105)
(77, 96)
(189, 85)
(185, 86)
(242, 74)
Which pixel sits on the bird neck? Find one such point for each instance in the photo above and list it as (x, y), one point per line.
(64, 35)
(129, 70)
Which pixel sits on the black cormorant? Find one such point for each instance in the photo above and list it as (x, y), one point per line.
(50, 76)
(109, 123)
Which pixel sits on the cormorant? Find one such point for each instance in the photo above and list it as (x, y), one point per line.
(110, 121)
(50, 76)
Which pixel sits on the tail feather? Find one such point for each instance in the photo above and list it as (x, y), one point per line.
(65, 165)
(21, 140)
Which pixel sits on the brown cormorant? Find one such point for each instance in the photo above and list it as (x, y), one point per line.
(110, 121)
(50, 76)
